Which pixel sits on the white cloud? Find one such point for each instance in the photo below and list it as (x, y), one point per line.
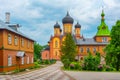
(40, 15)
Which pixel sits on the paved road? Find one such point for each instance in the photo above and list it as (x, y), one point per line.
(94, 75)
(52, 72)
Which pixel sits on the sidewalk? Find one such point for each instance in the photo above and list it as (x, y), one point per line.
(94, 75)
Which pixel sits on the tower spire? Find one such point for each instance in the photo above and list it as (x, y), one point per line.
(102, 15)
(67, 13)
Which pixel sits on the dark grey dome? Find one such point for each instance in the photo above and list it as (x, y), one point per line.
(67, 19)
(56, 25)
(77, 25)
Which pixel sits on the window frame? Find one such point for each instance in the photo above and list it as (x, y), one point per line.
(22, 60)
(9, 60)
(104, 39)
(56, 43)
(22, 42)
(9, 39)
(88, 50)
(16, 40)
(81, 50)
(94, 50)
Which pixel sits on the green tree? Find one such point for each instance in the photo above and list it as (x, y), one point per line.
(37, 51)
(113, 49)
(91, 62)
(68, 50)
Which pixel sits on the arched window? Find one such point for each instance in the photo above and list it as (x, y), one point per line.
(56, 43)
(94, 50)
(16, 40)
(28, 60)
(56, 53)
(81, 50)
(9, 39)
(9, 61)
(88, 50)
(22, 42)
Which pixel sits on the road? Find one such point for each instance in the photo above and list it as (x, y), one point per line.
(52, 72)
(79, 75)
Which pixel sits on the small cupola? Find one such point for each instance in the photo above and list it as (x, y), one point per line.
(56, 25)
(67, 19)
(77, 25)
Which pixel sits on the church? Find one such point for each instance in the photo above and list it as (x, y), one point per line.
(84, 45)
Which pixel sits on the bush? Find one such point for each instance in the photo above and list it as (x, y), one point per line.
(47, 62)
(72, 65)
(91, 62)
(108, 68)
(52, 61)
(75, 65)
(37, 65)
(66, 63)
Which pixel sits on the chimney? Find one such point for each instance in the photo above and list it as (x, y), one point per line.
(7, 17)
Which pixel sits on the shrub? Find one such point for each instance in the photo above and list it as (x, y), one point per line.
(72, 66)
(66, 63)
(75, 65)
(47, 62)
(52, 61)
(91, 62)
(108, 68)
(37, 65)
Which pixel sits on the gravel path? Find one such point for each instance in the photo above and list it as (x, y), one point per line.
(52, 72)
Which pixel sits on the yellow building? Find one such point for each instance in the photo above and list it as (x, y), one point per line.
(16, 49)
(84, 45)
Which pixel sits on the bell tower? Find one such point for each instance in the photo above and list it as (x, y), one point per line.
(103, 33)
(67, 24)
(57, 30)
(77, 30)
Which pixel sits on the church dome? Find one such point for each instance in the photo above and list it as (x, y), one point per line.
(77, 25)
(56, 25)
(67, 19)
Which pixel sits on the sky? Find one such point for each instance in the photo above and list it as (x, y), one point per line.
(37, 17)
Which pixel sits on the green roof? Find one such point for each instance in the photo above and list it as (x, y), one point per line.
(103, 29)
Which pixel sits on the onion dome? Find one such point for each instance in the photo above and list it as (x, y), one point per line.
(67, 19)
(56, 25)
(77, 25)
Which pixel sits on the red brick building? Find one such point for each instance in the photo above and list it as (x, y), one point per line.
(84, 45)
(16, 49)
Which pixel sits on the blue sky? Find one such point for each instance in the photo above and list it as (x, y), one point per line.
(37, 17)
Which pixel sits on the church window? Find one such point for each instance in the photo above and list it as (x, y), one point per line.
(56, 43)
(104, 39)
(77, 31)
(81, 50)
(88, 49)
(94, 50)
(56, 53)
(9, 39)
